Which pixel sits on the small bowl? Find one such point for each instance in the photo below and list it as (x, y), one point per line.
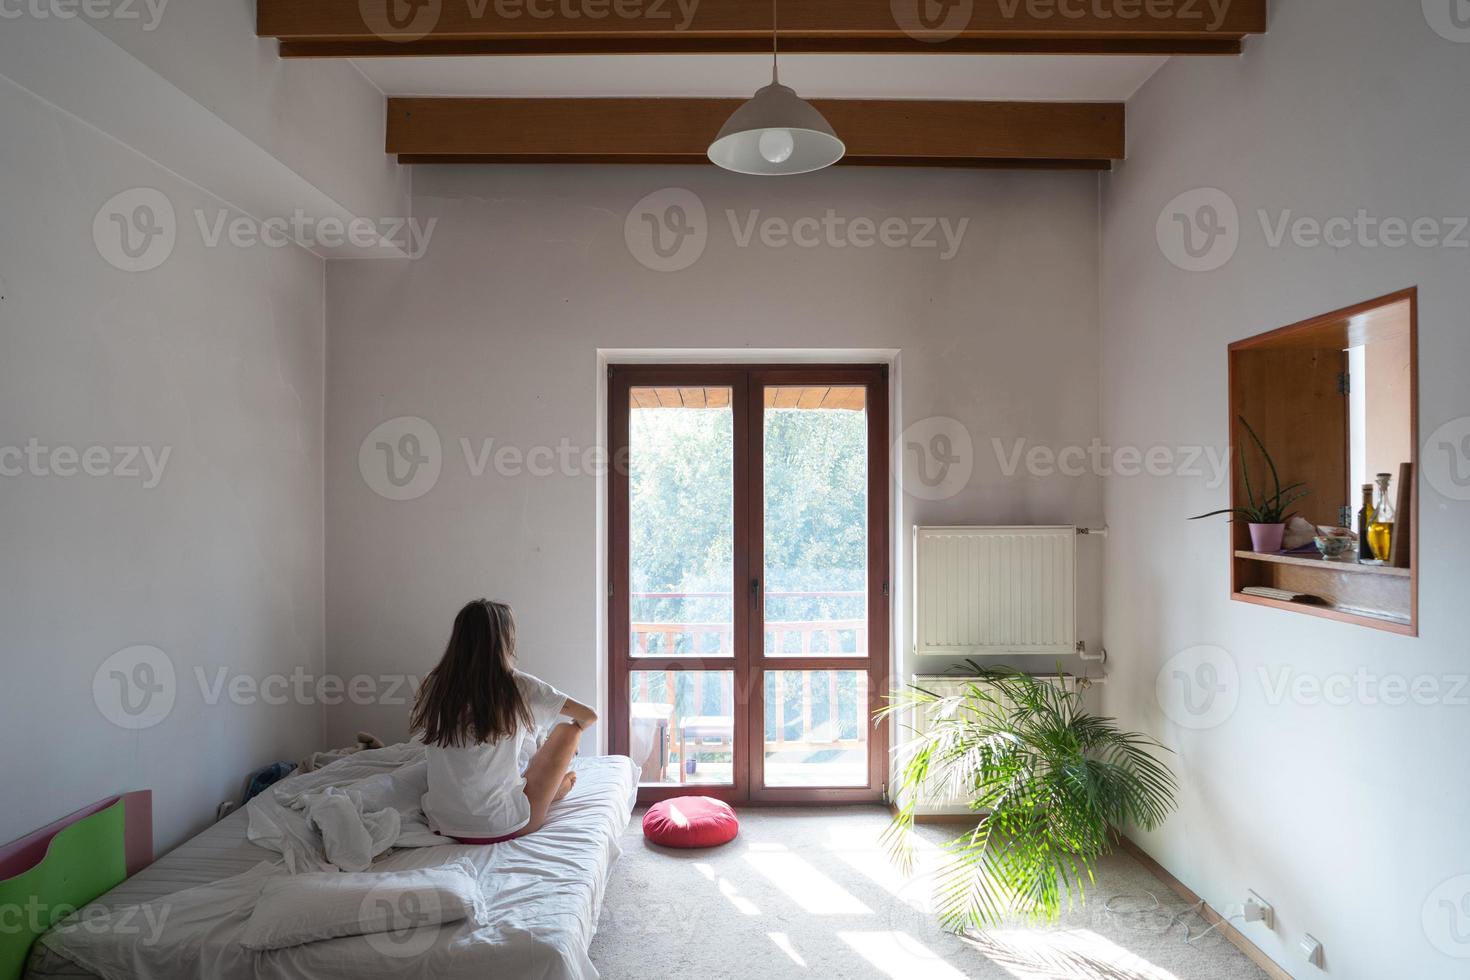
(1335, 547)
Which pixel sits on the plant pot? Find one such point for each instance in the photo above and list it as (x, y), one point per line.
(1266, 538)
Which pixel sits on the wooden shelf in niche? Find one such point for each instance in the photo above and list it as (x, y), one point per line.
(1312, 561)
(1368, 595)
(1286, 383)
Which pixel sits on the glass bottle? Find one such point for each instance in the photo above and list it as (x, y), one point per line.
(1380, 527)
(1365, 524)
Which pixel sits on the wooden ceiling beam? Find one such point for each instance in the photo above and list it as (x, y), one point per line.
(915, 133)
(676, 44)
(399, 28)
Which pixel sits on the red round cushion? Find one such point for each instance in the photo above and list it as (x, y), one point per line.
(690, 821)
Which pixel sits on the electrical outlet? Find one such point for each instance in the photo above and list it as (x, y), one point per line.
(1257, 909)
(1311, 950)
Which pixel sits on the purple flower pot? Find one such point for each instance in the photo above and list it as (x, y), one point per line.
(1266, 538)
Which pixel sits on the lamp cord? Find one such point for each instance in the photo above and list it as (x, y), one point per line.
(775, 44)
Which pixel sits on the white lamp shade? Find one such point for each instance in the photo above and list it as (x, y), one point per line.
(776, 110)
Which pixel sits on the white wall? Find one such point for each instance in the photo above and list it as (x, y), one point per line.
(1347, 816)
(297, 142)
(215, 356)
(319, 116)
(495, 335)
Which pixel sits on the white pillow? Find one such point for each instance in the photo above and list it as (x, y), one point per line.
(297, 909)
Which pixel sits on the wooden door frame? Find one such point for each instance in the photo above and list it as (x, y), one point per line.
(745, 382)
(874, 378)
(621, 379)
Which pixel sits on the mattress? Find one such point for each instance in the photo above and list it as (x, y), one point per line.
(185, 911)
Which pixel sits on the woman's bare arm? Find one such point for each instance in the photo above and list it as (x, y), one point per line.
(584, 716)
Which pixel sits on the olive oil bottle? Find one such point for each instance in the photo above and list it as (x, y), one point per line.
(1365, 524)
(1380, 525)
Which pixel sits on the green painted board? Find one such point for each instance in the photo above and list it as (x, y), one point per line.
(83, 861)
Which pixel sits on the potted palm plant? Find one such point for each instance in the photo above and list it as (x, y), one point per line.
(1052, 780)
(1268, 516)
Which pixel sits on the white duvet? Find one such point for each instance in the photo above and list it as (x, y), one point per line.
(542, 894)
(342, 817)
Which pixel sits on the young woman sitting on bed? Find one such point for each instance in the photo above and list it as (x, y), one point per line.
(476, 713)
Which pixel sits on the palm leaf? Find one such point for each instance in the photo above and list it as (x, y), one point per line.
(1052, 781)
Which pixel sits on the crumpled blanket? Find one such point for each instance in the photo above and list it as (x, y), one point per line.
(543, 894)
(341, 817)
(320, 760)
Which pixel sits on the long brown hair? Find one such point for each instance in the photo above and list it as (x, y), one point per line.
(472, 696)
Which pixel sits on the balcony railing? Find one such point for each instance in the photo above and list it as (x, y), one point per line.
(689, 733)
(823, 637)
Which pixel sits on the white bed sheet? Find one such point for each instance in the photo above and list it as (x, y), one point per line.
(543, 892)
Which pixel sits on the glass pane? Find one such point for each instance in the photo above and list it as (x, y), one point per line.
(682, 726)
(816, 521)
(817, 728)
(681, 475)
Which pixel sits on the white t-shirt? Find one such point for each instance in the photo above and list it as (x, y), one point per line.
(478, 790)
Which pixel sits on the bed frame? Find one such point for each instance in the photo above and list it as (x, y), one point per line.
(47, 875)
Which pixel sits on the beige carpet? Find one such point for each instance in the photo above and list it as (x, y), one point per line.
(809, 893)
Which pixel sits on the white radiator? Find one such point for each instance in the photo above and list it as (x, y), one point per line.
(983, 591)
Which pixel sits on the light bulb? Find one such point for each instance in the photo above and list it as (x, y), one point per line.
(777, 145)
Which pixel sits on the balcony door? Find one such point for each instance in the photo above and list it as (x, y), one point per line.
(748, 588)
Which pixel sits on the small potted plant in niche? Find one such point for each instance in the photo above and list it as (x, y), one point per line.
(1268, 516)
